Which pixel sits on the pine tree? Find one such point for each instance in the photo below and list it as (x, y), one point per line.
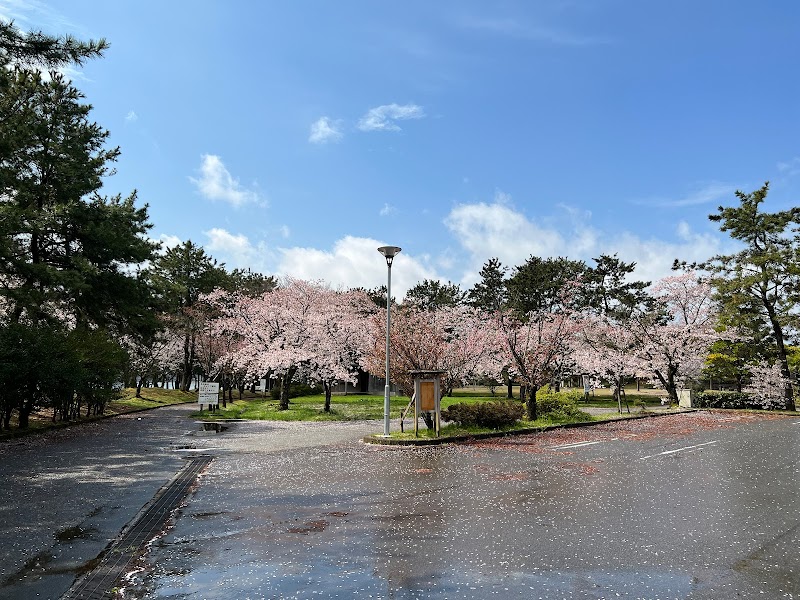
(180, 277)
(67, 254)
(760, 283)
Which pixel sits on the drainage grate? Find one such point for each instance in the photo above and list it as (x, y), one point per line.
(98, 584)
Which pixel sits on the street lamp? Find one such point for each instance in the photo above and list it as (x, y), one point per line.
(389, 252)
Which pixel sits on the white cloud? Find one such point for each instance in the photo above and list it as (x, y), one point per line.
(39, 15)
(705, 194)
(487, 230)
(388, 210)
(131, 117)
(169, 241)
(325, 130)
(383, 118)
(237, 251)
(500, 197)
(216, 183)
(789, 168)
(516, 28)
(354, 262)
(285, 231)
(498, 230)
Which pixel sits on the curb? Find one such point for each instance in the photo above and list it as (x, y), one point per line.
(379, 440)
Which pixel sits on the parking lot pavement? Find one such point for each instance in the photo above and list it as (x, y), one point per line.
(697, 505)
(67, 493)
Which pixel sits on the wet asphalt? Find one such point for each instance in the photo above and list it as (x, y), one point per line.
(687, 506)
(67, 493)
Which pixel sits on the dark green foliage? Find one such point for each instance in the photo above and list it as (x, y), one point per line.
(608, 291)
(432, 294)
(296, 390)
(723, 399)
(490, 293)
(494, 414)
(537, 285)
(757, 287)
(250, 283)
(37, 49)
(43, 366)
(179, 277)
(183, 273)
(67, 254)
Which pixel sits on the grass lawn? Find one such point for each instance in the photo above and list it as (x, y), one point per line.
(356, 407)
(151, 398)
(351, 407)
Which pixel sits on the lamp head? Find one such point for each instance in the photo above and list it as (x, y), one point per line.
(389, 252)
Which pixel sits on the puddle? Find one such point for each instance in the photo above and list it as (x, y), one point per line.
(75, 533)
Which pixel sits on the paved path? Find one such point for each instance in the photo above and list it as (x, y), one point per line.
(66, 494)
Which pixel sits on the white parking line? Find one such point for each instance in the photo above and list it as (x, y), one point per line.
(678, 450)
(575, 445)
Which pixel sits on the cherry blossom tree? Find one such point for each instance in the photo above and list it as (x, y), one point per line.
(299, 328)
(458, 340)
(153, 356)
(606, 349)
(535, 345)
(768, 385)
(673, 339)
(343, 340)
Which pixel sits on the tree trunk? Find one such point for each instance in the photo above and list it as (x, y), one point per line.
(24, 413)
(327, 386)
(139, 388)
(669, 383)
(777, 332)
(286, 382)
(530, 403)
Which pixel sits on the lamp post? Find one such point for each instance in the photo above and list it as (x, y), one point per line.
(389, 252)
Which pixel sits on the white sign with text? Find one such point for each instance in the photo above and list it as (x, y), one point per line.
(208, 393)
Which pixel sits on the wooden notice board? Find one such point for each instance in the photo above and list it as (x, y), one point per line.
(427, 394)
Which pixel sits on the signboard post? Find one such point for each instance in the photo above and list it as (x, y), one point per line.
(208, 393)
(427, 397)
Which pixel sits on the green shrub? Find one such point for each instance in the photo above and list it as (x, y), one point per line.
(559, 405)
(494, 414)
(296, 390)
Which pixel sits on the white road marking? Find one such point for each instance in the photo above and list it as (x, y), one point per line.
(797, 422)
(679, 449)
(576, 445)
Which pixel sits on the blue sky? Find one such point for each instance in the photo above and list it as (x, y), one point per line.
(297, 137)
